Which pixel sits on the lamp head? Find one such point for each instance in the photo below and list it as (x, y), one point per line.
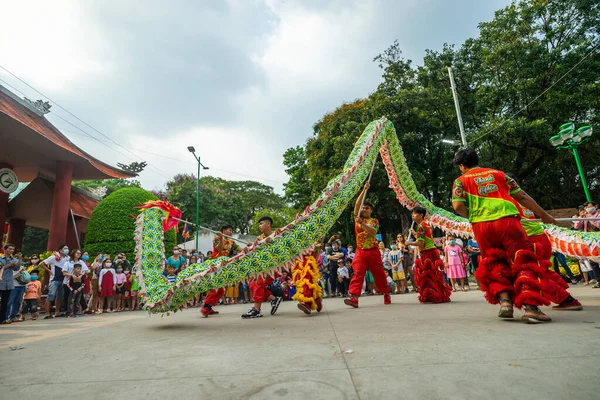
(191, 149)
(584, 131)
(556, 140)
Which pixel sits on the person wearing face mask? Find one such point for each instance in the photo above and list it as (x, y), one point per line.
(107, 285)
(454, 264)
(350, 254)
(55, 265)
(121, 280)
(323, 262)
(33, 293)
(176, 260)
(76, 259)
(334, 255)
(590, 210)
(396, 258)
(87, 289)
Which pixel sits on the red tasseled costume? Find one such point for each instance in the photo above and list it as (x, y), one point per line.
(528, 275)
(494, 275)
(554, 288)
(430, 281)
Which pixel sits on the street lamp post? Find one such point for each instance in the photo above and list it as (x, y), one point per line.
(193, 151)
(569, 138)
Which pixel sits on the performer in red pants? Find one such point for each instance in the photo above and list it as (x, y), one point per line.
(368, 257)
(509, 272)
(222, 247)
(262, 288)
(554, 288)
(428, 276)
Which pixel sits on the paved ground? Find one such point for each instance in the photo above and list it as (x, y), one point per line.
(407, 350)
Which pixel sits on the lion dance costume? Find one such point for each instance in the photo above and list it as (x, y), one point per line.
(309, 293)
(508, 262)
(428, 276)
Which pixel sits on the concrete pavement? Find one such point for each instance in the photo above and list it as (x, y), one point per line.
(459, 350)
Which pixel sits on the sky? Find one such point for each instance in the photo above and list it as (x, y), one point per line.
(240, 80)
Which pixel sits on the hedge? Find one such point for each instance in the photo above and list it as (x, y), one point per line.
(112, 223)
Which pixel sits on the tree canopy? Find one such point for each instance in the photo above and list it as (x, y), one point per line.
(532, 68)
(222, 202)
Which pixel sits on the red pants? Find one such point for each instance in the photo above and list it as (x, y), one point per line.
(367, 260)
(554, 288)
(508, 263)
(429, 279)
(212, 298)
(259, 290)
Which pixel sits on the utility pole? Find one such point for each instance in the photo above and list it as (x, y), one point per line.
(459, 116)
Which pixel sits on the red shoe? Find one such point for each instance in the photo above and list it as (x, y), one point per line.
(304, 308)
(387, 299)
(319, 304)
(573, 305)
(212, 312)
(351, 301)
(205, 311)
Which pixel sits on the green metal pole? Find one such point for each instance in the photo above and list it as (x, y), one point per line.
(197, 202)
(581, 175)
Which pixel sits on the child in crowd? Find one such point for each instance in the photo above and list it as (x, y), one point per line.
(75, 285)
(171, 276)
(232, 292)
(107, 285)
(286, 284)
(343, 278)
(126, 297)
(246, 291)
(586, 269)
(454, 263)
(390, 282)
(397, 258)
(120, 279)
(135, 287)
(33, 293)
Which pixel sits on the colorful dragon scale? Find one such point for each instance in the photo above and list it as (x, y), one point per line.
(290, 243)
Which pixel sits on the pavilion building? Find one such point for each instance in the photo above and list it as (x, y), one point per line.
(37, 152)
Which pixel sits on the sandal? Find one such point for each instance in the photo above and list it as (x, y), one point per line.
(533, 315)
(49, 316)
(506, 309)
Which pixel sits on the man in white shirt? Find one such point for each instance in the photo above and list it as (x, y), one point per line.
(55, 264)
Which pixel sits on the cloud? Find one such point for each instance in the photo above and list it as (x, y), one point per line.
(53, 45)
(241, 80)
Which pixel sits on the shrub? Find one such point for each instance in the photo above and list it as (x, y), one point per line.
(112, 224)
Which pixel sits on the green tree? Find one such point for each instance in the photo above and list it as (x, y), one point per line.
(221, 201)
(281, 217)
(511, 98)
(297, 189)
(112, 223)
(34, 240)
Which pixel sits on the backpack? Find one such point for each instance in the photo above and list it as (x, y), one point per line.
(24, 278)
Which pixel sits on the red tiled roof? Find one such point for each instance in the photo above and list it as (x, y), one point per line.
(81, 204)
(41, 125)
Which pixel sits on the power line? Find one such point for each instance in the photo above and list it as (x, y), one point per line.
(83, 131)
(537, 97)
(193, 163)
(110, 139)
(68, 112)
(86, 133)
